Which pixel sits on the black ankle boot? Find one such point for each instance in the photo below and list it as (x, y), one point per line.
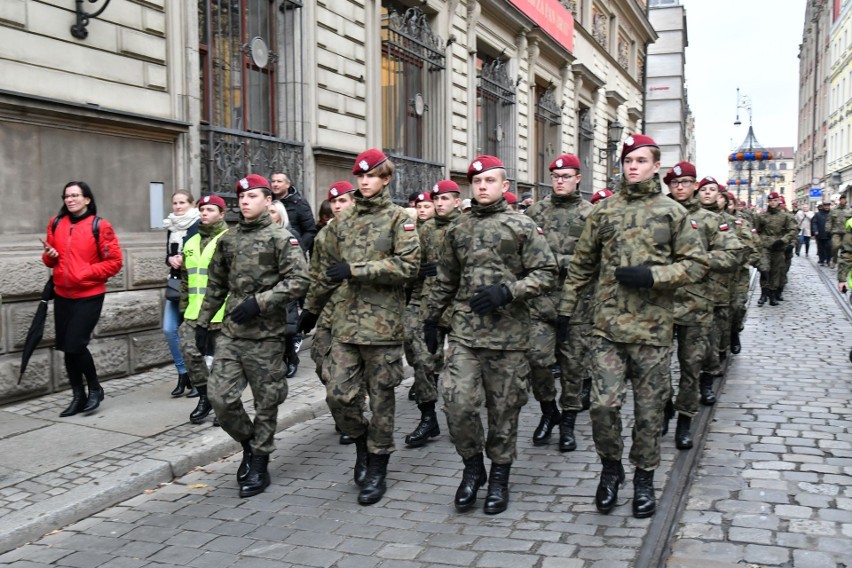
(668, 414)
(78, 401)
(346, 439)
(183, 382)
(644, 501)
(202, 409)
(763, 297)
(96, 395)
(497, 499)
(245, 465)
(360, 473)
(705, 387)
(612, 476)
(412, 394)
(586, 394)
(550, 417)
(735, 342)
(257, 479)
(567, 443)
(723, 354)
(428, 427)
(374, 487)
(683, 439)
(473, 477)
(773, 299)
(193, 392)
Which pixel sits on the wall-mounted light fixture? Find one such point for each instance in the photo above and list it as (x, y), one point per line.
(79, 30)
(613, 137)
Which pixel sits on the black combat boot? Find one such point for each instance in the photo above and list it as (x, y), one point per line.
(257, 479)
(360, 473)
(78, 401)
(550, 417)
(203, 408)
(612, 476)
(705, 387)
(245, 465)
(683, 439)
(96, 396)
(193, 392)
(668, 414)
(374, 487)
(428, 427)
(736, 347)
(412, 394)
(346, 439)
(779, 294)
(644, 501)
(586, 394)
(473, 477)
(773, 298)
(183, 382)
(567, 443)
(723, 354)
(497, 499)
(764, 295)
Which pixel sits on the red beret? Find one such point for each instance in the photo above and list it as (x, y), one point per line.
(670, 175)
(445, 186)
(368, 160)
(707, 180)
(510, 197)
(732, 197)
(601, 194)
(565, 161)
(253, 181)
(634, 142)
(338, 188)
(483, 164)
(774, 195)
(684, 169)
(212, 200)
(422, 196)
(782, 198)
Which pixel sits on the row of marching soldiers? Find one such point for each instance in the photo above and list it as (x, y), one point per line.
(598, 290)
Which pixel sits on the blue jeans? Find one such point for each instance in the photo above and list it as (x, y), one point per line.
(171, 319)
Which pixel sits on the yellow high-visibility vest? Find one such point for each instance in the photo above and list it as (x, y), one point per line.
(196, 262)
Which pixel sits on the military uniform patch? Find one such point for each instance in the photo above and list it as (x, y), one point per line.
(540, 230)
(694, 224)
(408, 226)
(294, 241)
(724, 227)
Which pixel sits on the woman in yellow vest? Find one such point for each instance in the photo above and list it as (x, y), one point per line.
(197, 253)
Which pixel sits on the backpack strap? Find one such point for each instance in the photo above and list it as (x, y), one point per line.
(96, 230)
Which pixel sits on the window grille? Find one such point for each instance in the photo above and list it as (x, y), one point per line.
(548, 117)
(495, 102)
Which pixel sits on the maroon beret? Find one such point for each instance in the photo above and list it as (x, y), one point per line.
(338, 188)
(253, 181)
(483, 164)
(368, 160)
(565, 161)
(423, 196)
(445, 186)
(706, 181)
(601, 194)
(212, 200)
(684, 169)
(634, 142)
(670, 175)
(510, 197)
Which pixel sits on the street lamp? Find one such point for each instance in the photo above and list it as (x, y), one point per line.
(79, 30)
(613, 137)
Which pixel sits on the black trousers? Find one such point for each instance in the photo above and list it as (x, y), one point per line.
(75, 320)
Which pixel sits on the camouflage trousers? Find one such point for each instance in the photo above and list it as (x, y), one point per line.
(788, 261)
(573, 362)
(773, 267)
(320, 348)
(648, 368)
(542, 357)
(718, 330)
(692, 344)
(836, 241)
(260, 365)
(192, 357)
(351, 369)
(738, 310)
(424, 363)
(500, 379)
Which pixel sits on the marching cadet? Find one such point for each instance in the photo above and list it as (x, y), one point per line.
(837, 226)
(492, 261)
(374, 248)
(751, 256)
(197, 253)
(562, 217)
(844, 261)
(640, 246)
(776, 231)
(445, 198)
(259, 267)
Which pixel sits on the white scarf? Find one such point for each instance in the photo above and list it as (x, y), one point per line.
(179, 224)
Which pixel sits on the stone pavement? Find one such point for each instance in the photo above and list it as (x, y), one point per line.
(768, 486)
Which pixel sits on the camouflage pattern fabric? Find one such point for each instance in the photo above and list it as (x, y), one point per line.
(320, 349)
(541, 357)
(260, 365)
(573, 359)
(693, 342)
(495, 377)
(423, 362)
(771, 226)
(432, 243)
(192, 357)
(721, 321)
(321, 250)
(837, 227)
(844, 258)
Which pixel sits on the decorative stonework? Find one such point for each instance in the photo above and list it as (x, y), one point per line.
(570, 5)
(623, 52)
(600, 27)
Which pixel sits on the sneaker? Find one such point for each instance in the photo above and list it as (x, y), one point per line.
(297, 343)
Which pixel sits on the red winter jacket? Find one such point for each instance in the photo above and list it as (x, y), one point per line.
(81, 270)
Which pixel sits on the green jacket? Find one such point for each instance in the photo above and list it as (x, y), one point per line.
(837, 219)
(431, 239)
(773, 225)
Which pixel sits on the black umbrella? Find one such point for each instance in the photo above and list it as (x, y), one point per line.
(36, 331)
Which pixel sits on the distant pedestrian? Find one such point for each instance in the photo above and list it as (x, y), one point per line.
(804, 216)
(820, 230)
(526, 201)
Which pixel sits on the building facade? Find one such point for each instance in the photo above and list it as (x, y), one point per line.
(767, 176)
(839, 138)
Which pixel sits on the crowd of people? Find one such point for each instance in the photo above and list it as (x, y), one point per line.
(487, 298)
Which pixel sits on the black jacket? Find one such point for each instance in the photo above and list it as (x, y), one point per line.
(819, 225)
(301, 217)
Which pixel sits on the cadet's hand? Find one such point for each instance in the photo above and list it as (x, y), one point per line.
(430, 333)
(635, 276)
(307, 321)
(489, 298)
(246, 311)
(201, 339)
(429, 269)
(841, 286)
(339, 272)
(777, 245)
(562, 323)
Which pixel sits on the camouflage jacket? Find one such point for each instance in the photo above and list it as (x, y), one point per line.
(774, 225)
(491, 246)
(328, 315)
(379, 242)
(417, 284)
(261, 259)
(724, 279)
(636, 226)
(837, 219)
(562, 218)
(431, 240)
(844, 255)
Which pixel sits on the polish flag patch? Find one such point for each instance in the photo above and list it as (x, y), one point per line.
(540, 230)
(754, 231)
(694, 224)
(408, 227)
(724, 227)
(294, 241)
(738, 223)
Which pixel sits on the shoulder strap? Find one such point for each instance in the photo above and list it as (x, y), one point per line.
(96, 227)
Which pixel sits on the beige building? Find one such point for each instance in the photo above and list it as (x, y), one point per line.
(196, 93)
(839, 139)
(767, 176)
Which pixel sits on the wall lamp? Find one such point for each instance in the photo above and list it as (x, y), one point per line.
(79, 30)
(613, 137)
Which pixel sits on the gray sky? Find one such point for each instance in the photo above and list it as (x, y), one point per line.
(753, 45)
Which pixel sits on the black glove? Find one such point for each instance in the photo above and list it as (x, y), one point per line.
(201, 339)
(430, 333)
(428, 269)
(777, 245)
(788, 249)
(489, 298)
(246, 311)
(635, 276)
(339, 272)
(307, 321)
(562, 323)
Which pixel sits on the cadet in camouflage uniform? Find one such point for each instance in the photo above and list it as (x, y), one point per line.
(197, 254)
(375, 249)
(562, 216)
(640, 246)
(492, 261)
(693, 303)
(777, 231)
(844, 259)
(445, 198)
(751, 257)
(260, 267)
(837, 226)
(788, 251)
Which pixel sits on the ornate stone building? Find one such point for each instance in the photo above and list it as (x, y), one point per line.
(838, 161)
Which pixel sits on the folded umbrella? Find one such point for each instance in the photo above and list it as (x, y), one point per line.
(36, 331)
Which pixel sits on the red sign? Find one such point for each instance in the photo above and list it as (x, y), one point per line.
(552, 17)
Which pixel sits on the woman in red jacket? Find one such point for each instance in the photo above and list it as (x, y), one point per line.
(83, 257)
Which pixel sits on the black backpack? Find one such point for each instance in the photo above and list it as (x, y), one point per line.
(96, 229)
